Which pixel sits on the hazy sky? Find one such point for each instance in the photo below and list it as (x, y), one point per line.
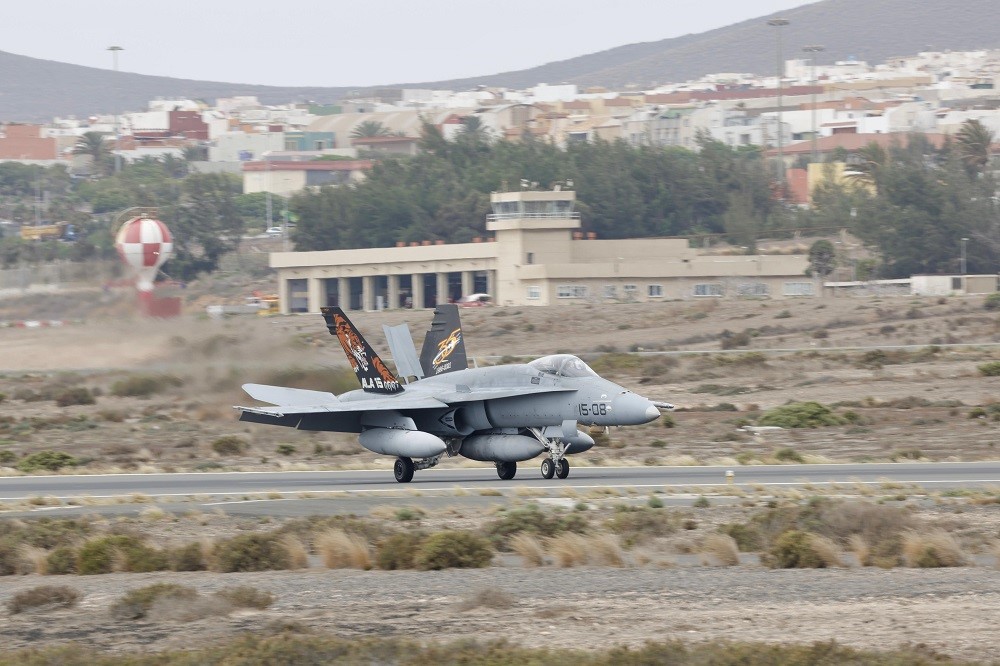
(349, 43)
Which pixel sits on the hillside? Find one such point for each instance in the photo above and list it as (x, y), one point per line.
(871, 30)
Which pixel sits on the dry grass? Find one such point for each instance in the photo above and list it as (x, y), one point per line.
(934, 548)
(604, 549)
(827, 550)
(340, 550)
(861, 549)
(298, 555)
(720, 550)
(529, 548)
(567, 549)
(33, 559)
(176, 609)
(43, 596)
(487, 597)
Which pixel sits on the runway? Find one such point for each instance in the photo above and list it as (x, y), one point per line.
(930, 476)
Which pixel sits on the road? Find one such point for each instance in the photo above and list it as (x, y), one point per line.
(931, 476)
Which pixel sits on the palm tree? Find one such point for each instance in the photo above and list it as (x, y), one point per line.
(974, 141)
(474, 130)
(368, 129)
(94, 145)
(871, 160)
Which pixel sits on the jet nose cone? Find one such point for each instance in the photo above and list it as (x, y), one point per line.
(652, 413)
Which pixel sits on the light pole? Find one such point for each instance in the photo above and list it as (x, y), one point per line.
(779, 23)
(813, 50)
(964, 241)
(114, 59)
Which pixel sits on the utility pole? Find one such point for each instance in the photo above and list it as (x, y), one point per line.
(114, 59)
(779, 23)
(813, 50)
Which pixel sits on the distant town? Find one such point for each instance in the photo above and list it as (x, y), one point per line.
(808, 114)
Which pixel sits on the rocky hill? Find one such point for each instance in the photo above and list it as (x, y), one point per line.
(872, 30)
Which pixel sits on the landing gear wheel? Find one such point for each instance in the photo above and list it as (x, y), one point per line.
(548, 468)
(403, 469)
(563, 471)
(506, 470)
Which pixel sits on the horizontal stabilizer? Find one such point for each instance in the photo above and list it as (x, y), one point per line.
(282, 395)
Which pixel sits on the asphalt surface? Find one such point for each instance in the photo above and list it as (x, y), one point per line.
(931, 476)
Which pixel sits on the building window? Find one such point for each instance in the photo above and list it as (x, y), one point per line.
(610, 291)
(654, 291)
(752, 289)
(630, 289)
(799, 289)
(571, 291)
(530, 259)
(534, 293)
(708, 289)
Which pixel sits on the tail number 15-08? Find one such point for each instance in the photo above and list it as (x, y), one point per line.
(593, 409)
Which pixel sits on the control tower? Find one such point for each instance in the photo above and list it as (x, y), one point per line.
(532, 228)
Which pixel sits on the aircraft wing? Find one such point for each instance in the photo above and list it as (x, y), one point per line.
(465, 394)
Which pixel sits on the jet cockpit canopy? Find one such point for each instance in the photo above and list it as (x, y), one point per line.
(562, 365)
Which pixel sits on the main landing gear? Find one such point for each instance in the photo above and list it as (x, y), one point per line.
(404, 467)
(550, 468)
(506, 470)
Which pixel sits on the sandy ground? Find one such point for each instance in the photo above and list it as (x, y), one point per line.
(914, 409)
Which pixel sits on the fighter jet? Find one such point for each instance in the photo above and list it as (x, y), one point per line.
(501, 414)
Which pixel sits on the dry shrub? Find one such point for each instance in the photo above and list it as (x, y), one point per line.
(862, 551)
(604, 550)
(454, 549)
(341, 550)
(721, 550)
(567, 549)
(935, 548)
(180, 608)
(298, 556)
(249, 552)
(43, 596)
(827, 550)
(33, 559)
(529, 548)
(136, 604)
(487, 597)
(246, 596)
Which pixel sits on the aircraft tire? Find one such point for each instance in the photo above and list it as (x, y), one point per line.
(506, 470)
(563, 471)
(403, 469)
(548, 468)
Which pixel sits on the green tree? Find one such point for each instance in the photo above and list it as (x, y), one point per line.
(369, 128)
(868, 165)
(205, 223)
(94, 145)
(974, 141)
(822, 259)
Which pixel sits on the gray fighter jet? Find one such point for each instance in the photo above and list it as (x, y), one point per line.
(501, 414)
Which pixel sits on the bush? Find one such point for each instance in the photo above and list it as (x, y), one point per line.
(282, 449)
(399, 551)
(250, 552)
(46, 460)
(7, 457)
(245, 596)
(794, 550)
(992, 302)
(61, 560)
(668, 421)
(135, 605)
(788, 455)
(104, 554)
(44, 595)
(76, 395)
(187, 558)
(533, 520)
(143, 386)
(991, 369)
(636, 525)
(341, 550)
(454, 549)
(229, 445)
(801, 415)
(931, 549)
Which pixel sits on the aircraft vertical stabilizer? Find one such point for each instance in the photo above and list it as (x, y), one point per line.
(404, 353)
(373, 374)
(444, 347)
